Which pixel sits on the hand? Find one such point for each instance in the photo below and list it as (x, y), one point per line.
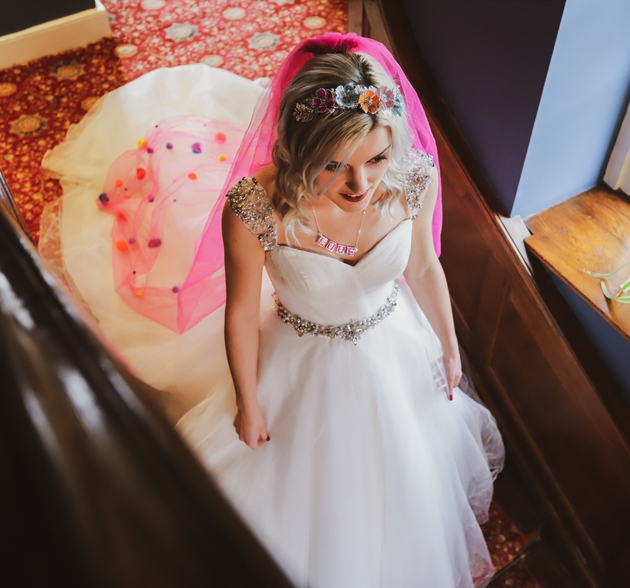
(251, 428)
(453, 370)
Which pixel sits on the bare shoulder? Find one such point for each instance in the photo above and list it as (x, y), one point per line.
(266, 177)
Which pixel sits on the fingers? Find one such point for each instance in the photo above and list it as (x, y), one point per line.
(255, 441)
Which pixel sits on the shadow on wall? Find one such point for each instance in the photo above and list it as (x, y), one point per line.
(490, 61)
(615, 350)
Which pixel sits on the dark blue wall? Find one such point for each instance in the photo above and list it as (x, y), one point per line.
(17, 15)
(490, 60)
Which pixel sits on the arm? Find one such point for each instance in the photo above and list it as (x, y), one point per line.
(244, 261)
(425, 277)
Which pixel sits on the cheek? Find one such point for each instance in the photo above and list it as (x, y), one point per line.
(332, 185)
(380, 171)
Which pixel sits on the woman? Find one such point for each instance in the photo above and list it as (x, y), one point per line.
(371, 468)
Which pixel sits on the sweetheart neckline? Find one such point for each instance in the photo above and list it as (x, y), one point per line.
(336, 259)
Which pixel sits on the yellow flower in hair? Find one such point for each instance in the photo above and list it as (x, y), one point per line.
(369, 101)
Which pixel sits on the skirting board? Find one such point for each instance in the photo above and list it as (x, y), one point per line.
(55, 36)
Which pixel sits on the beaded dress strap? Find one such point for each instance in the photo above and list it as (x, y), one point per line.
(250, 203)
(418, 180)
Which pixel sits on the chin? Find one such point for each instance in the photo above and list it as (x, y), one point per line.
(352, 206)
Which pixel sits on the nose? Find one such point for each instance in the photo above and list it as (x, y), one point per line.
(357, 181)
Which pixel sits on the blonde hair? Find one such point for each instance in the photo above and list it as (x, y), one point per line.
(303, 149)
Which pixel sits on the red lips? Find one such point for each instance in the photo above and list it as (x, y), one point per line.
(355, 198)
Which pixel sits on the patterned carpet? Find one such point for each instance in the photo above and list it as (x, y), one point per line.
(41, 99)
(248, 38)
(505, 540)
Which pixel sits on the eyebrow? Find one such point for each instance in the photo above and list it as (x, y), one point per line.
(332, 161)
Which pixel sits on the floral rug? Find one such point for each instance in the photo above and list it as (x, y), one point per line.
(248, 38)
(39, 100)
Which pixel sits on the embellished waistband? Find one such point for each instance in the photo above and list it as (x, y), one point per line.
(351, 331)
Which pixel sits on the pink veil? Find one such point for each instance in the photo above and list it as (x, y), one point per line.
(174, 177)
(203, 291)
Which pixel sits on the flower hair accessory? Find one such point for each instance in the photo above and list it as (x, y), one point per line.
(334, 100)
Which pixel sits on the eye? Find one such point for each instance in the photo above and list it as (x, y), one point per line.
(378, 159)
(333, 166)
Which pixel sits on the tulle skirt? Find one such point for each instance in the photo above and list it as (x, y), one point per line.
(372, 477)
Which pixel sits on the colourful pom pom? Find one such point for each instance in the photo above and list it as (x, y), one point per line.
(192, 176)
(153, 243)
(151, 198)
(196, 147)
(141, 173)
(131, 240)
(149, 149)
(122, 245)
(175, 289)
(222, 157)
(220, 138)
(118, 183)
(142, 143)
(169, 145)
(139, 293)
(103, 198)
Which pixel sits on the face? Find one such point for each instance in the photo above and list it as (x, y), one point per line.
(354, 183)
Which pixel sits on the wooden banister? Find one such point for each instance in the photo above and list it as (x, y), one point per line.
(101, 489)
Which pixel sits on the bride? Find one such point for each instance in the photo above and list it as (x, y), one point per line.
(370, 468)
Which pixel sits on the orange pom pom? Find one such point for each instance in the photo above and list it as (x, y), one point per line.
(220, 138)
(139, 293)
(222, 157)
(142, 143)
(122, 245)
(192, 176)
(119, 183)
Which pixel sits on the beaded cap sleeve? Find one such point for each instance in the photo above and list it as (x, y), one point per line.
(418, 180)
(250, 203)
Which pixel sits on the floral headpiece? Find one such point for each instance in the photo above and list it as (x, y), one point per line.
(334, 100)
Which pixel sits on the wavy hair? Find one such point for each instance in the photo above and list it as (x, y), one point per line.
(303, 149)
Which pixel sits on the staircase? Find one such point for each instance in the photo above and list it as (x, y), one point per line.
(524, 556)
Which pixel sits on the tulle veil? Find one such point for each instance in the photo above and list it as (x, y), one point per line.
(182, 161)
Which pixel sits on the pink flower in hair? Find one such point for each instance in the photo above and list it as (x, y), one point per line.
(387, 97)
(323, 101)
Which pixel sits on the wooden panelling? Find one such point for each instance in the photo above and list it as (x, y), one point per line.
(550, 412)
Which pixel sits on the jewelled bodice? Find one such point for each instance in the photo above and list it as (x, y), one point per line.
(321, 288)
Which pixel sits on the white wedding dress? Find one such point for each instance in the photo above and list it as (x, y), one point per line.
(372, 477)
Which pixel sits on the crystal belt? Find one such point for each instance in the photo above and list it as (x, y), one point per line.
(351, 331)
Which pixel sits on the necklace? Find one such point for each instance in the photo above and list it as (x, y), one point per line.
(334, 246)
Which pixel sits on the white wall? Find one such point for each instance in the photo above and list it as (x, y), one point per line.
(585, 93)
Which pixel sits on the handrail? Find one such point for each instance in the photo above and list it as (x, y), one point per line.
(103, 491)
(9, 208)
